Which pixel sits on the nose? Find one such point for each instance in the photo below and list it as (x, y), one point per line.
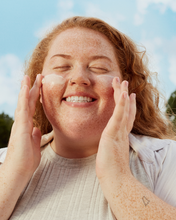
(80, 77)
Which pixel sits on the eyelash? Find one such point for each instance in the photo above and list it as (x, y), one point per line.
(99, 68)
(94, 69)
(61, 67)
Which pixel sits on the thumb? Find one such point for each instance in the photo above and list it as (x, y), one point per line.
(36, 134)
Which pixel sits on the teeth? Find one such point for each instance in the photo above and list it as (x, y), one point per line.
(78, 99)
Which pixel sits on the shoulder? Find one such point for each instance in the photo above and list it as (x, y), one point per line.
(153, 152)
(150, 149)
(158, 159)
(3, 152)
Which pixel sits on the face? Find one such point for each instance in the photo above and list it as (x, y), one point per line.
(77, 93)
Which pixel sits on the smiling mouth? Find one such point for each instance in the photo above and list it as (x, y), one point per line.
(79, 99)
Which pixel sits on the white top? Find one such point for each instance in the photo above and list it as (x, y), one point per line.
(157, 157)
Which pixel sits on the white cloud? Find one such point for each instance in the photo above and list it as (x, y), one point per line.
(138, 19)
(169, 49)
(10, 77)
(65, 5)
(163, 60)
(65, 10)
(170, 46)
(93, 10)
(162, 5)
(142, 6)
(152, 48)
(47, 27)
(172, 69)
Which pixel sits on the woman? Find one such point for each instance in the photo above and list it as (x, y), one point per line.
(109, 155)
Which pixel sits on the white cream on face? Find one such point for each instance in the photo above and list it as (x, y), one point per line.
(54, 80)
(105, 81)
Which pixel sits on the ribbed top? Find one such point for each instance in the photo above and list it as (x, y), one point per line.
(67, 162)
(65, 189)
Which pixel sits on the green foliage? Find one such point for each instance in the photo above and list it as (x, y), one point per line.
(5, 129)
(171, 108)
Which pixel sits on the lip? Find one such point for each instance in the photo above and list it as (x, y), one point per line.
(80, 94)
(80, 104)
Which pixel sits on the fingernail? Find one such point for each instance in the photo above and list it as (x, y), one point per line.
(126, 83)
(117, 79)
(134, 95)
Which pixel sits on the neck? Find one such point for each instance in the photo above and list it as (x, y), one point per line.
(73, 147)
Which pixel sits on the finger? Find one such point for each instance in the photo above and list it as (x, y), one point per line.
(125, 118)
(36, 134)
(22, 94)
(21, 113)
(34, 93)
(117, 89)
(119, 118)
(25, 81)
(22, 103)
(132, 112)
(121, 110)
(121, 99)
(124, 86)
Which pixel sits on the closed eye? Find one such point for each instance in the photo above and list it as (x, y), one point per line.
(98, 69)
(62, 68)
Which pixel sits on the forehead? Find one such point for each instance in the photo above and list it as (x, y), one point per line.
(74, 41)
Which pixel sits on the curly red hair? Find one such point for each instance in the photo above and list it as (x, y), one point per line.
(149, 120)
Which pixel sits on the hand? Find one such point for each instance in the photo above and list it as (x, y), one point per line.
(23, 154)
(113, 152)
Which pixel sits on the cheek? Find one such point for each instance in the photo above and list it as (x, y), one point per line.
(106, 92)
(52, 92)
(104, 85)
(53, 86)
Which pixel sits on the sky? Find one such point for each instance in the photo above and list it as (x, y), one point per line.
(150, 23)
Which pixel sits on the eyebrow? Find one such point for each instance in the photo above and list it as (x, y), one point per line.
(97, 57)
(101, 57)
(61, 55)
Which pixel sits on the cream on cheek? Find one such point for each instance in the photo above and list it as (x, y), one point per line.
(53, 80)
(104, 84)
(52, 90)
(105, 81)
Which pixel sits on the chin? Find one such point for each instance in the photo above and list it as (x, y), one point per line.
(79, 131)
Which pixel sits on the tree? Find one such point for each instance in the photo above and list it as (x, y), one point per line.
(5, 129)
(171, 108)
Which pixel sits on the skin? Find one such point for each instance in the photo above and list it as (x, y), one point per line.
(80, 124)
(113, 118)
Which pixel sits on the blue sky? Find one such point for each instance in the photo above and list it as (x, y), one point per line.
(151, 23)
